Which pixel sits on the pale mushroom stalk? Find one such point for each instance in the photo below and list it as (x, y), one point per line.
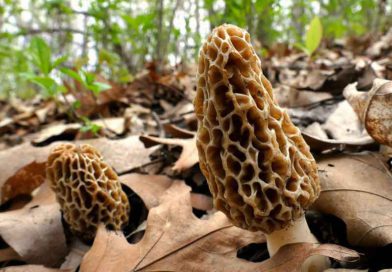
(299, 232)
(257, 165)
(296, 233)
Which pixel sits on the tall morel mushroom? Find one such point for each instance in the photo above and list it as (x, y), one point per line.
(258, 167)
(87, 189)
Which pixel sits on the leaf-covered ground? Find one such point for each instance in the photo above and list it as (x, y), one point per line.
(148, 136)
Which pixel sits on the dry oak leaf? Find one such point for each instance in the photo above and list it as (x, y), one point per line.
(189, 156)
(360, 188)
(51, 132)
(55, 130)
(318, 144)
(175, 240)
(344, 124)
(151, 187)
(374, 108)
(35, 232)
(148, 187)
(291, 256)
(27, 160)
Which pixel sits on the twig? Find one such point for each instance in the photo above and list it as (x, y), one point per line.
(48, 30)
(159, 124)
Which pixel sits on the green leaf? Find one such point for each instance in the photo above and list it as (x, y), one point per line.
(313, 35)
(89, 126)
(72, 74)
(41, 55)
(59, 61)
(302, 48)
(76, 104)
(98, 87)
(48, 84)
(89, 78)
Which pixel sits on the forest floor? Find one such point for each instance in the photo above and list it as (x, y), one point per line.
(146, 132)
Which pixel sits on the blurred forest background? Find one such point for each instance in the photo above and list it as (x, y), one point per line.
(42, 41)
(121, 75)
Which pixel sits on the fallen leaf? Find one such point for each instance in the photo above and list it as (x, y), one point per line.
(123, 155)
(6, 125)
(181, 108)
(50, 133)
(317, 144)
(8, 254)
(151, 187)
(178, 132)
(31, 268)
(115, 125)
(313, 80)
(35, 232)
(24, 181)
(189, 155)
(343, 123)
(374, 109)
(202, 202)
(53, 131)
(346, 270)
(291, 257)
(359, 185)
(148, 187)
(290, 97)
(382, 45)
(316, 130)
(174, 240)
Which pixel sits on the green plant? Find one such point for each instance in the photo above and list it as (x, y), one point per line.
(86, 79)
(313, 37)
(48, 73)
(89, 126)
(41, 57)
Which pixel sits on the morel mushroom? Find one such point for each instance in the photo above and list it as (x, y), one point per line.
(87, 189)
(258, 167)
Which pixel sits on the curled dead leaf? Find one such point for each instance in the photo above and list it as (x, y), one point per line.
(344, 124)
(35, 232)
(359, 185)
(24, 181)
(148, 187)
(318, 144)
(374, 108)
(291, 257)
(189, 155)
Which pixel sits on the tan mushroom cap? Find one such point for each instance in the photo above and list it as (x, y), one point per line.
(87, 189)
(258, 167)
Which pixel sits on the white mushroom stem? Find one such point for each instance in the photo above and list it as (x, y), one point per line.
(298, 232)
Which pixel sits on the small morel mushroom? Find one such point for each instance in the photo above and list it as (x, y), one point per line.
(87, 189)
(258, 167)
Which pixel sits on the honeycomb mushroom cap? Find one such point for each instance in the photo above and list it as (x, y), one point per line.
(258, 166)
(87, 189)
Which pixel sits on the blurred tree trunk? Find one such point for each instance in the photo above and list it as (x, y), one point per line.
(158, 55)
(298, 11)
(250, 17)
(381, 17)
(85, 36)
(167, 40)
(209, 6)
